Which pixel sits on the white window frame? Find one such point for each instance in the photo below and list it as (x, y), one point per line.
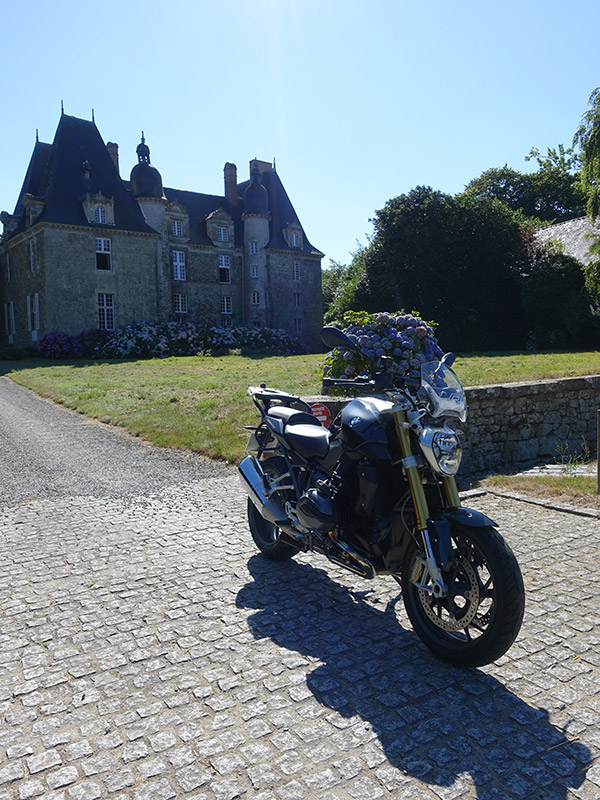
(103, 247)
(176, 227)
(297, 300)
(106, 311)
(226, 304)
(295, 239)
(9, 318)
(178, 262)
(100, 215)
(180, 303)
(222, 234)
(32, 256)
(295, 270)
(253, 248)
(226, 322)
(255, 298)
(254, 271)
(225, 265)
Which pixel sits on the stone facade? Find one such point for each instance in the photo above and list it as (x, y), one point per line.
(85, 248)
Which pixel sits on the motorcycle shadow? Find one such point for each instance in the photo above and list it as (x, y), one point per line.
(434, 722)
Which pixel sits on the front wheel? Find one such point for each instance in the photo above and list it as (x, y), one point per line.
(481, 616)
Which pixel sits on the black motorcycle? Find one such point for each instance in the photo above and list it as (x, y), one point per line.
(376, 494)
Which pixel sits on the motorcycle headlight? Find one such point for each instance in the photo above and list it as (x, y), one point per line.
(442, 449)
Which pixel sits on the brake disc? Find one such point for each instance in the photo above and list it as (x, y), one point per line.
(449, 622)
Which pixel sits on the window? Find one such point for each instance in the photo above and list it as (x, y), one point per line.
(226, 322)
(297, 325)
(254, 271)
(9, 318)
(100, 215)
(226, 305)
(33, 314)
(32, 256)
(176, 228)
(295, 240)
(106, 312)
(178, 265)
(253, 248)
(103, 254)
(224, 269)
(297, 299)
(296, 271)
(180, 305)
(255, 299)
(222, 235)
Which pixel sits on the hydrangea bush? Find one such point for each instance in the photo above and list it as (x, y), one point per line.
(406, 338)
(148, 340)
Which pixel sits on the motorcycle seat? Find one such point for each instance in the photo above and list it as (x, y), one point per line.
(292, 416)
(307, 439)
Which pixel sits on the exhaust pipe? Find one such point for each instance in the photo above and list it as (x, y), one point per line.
(256, 484)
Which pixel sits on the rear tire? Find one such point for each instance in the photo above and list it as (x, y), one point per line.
(481, 617)
(267, 536)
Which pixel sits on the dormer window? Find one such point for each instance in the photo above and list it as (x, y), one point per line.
(86, 172)
(176, 228)
(295, 240)
(100, 215)
(222, 234)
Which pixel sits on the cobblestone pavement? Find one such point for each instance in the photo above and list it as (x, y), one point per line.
(147, 652)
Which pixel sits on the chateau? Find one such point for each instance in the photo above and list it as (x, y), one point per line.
(88, 249)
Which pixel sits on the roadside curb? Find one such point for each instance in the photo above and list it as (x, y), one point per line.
(536, 501)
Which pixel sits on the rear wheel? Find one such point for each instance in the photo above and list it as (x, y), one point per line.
(481, 616)
(267, 536)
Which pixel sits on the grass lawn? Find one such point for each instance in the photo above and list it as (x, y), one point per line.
(200, 403)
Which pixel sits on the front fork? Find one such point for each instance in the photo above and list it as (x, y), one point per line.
(424, 523)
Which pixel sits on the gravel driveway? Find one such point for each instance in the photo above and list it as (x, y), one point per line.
(147, 651)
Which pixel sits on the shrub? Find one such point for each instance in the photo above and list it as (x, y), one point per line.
(149, 340)
(406, 338)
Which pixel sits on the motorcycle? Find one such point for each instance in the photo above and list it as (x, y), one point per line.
(376, 494)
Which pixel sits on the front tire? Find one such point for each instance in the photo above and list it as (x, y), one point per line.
(267, 536)
(482, 615)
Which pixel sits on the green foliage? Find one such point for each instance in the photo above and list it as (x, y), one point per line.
(587, 137)
(339, 287)
(553, 193)
(557, 303)
(459, 259)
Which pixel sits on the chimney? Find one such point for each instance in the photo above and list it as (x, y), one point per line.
(113, 150)
(230, 173)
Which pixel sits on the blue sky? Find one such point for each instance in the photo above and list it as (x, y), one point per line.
(358, 100)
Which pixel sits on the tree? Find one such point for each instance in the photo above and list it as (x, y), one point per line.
(458, 260)
(553, 193)
(587, 137)
(556, 301)
(339, 287)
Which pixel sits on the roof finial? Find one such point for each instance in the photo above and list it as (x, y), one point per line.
(274, 165)
(143, 140)
(93, 118)
(62, 107)
(37, 134)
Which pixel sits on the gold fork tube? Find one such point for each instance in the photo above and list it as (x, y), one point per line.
(413, 474)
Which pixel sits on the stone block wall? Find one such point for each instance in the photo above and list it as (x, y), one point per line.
(513, 426)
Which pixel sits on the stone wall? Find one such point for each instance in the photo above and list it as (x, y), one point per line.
(513, 426)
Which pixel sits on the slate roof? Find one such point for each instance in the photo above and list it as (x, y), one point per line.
(573, 236)
(55, 176)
